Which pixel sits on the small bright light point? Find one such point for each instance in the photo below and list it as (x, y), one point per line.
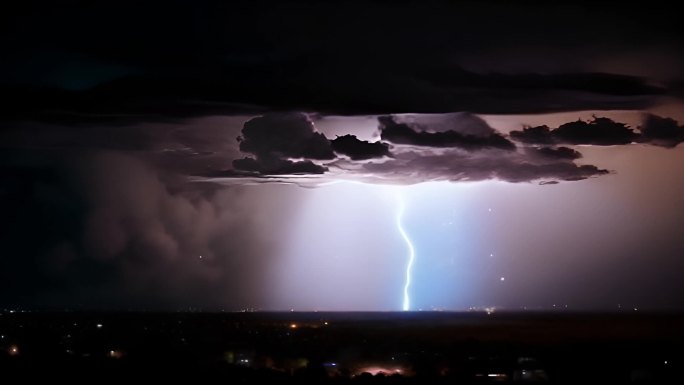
(490, 209)
(665, 362)
(325, 323)
(14, 350)
(502, 279)
(635, 309)
(491, 255)
(99, 326)
(293, 326)
(200, 257)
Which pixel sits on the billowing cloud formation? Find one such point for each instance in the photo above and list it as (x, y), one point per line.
(402, 133)
(661, 131)
(357, 149)
(275, 139)
(285, 136)
(107, 229)
(598, 131)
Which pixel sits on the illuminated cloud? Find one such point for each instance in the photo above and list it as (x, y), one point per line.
(454, 147)
(403, 133)
(412, 167)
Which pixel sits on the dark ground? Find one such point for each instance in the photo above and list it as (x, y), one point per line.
(420, 347)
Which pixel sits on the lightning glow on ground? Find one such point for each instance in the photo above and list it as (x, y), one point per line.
(412, 253)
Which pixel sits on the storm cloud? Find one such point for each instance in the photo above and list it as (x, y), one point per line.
(357, 149)
(602, 131)
(660, 131)
(109, 230)
(453, 147)
(598, 131)
(276, 138)
(156, 72)
(402, 133)
(132, 135)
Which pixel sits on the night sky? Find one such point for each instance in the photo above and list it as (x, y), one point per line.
(283, 155)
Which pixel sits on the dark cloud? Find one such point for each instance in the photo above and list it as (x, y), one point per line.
(199, 60)
(599, 131)
(289, 135)
(357, 149)
(276, 138)
(535, 135)
(402, 133)
(177, 97)
(558, 153)
(660, 131)
(655, 130)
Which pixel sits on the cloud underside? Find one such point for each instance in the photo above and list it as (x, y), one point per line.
(517, 167)
(412, 149)
(252, 90)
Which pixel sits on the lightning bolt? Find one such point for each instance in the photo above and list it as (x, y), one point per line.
(412, 253)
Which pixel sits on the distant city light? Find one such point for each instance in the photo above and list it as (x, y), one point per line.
(99, 326)
(13, 350)
(293, 326)
(496, 375)
(375, 370)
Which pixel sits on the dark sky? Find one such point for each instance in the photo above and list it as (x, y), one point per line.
(232, 155)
